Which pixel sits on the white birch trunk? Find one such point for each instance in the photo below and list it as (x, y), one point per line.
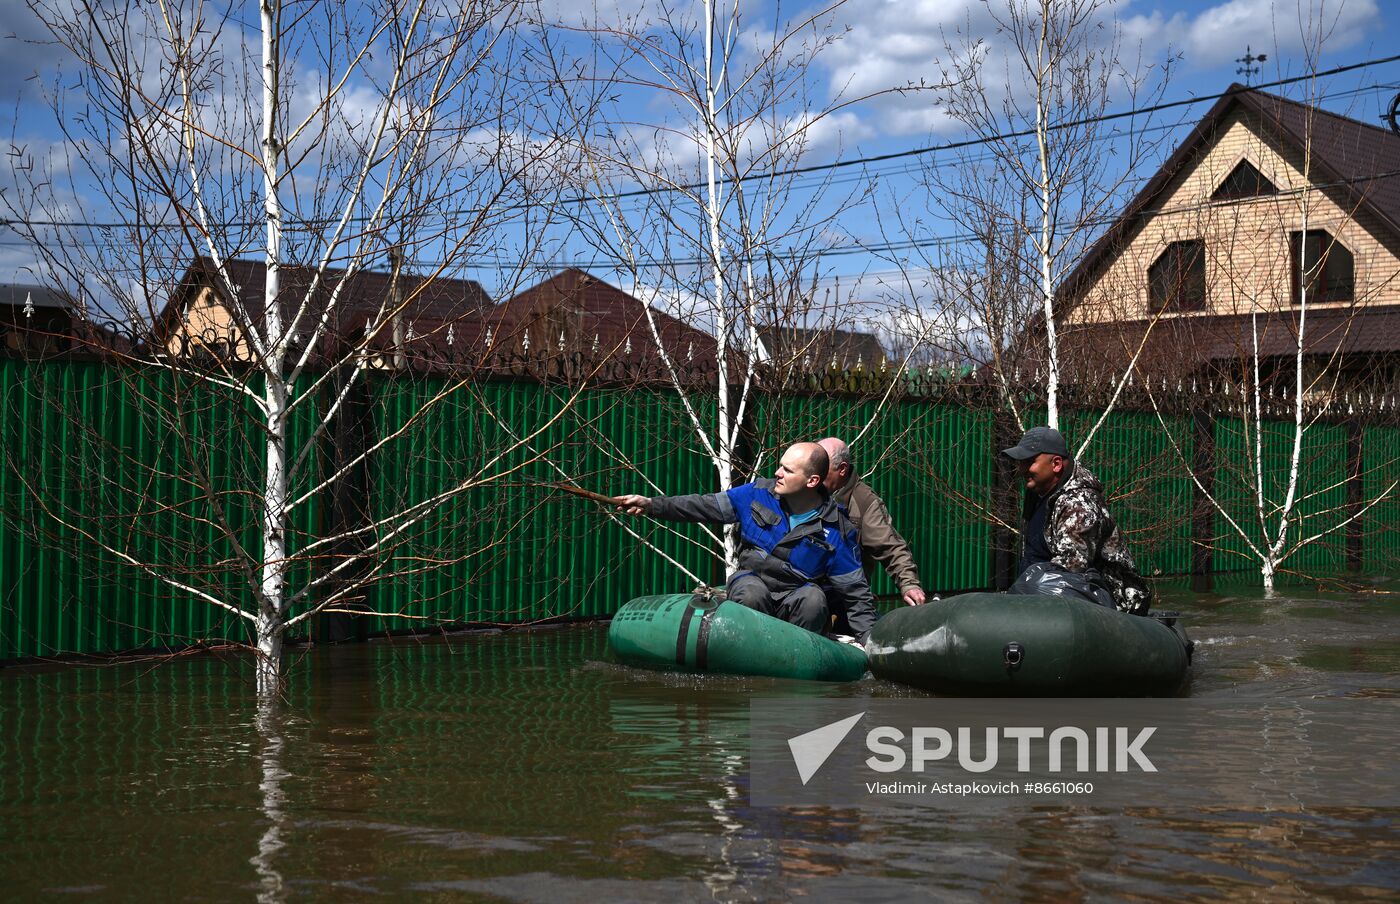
(1043, 84)
(1266, 559)
(723, 447)
(1276, 548)
(271, 613)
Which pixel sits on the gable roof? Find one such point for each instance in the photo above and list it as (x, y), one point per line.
(1348, 156)
(432, 301)
(599, 320)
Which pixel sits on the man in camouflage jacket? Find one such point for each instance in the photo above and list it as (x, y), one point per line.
(1069, 524)
(879, 541)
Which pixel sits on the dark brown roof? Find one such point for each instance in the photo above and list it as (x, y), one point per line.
(17, 295)
(1180, 345)
(428, 302)
(1358, 161)
(597, 321)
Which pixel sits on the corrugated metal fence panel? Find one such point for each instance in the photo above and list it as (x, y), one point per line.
(1146, 482)
(517, 550)
(109, 453)
(1321, 496)
(1380, 523)
(101, 445)
(1322, 500)
(922, 458)
(938, 458)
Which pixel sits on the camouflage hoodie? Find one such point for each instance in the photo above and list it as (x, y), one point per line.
(1082, 536)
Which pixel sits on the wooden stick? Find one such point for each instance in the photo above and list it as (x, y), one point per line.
(588, 494)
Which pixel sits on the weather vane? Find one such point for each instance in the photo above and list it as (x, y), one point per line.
(1392, 116)
(1249, 59)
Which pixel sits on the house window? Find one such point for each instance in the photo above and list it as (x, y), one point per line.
(1322, 266)
(1176, 281)
(1244, 181)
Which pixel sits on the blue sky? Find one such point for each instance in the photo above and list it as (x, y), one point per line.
(879, 45)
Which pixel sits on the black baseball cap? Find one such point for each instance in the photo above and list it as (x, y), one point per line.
(1038, 441)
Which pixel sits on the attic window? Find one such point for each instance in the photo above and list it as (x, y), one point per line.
(1176, 281)
(1244, 181)
(1322, 266)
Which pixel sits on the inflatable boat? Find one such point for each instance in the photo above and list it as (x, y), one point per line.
(1005, 644)
(692, 633)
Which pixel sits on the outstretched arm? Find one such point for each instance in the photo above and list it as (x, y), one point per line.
(633, 504)
(711, 508)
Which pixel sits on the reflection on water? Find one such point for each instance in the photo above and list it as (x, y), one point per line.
(526, 767)
(270, 845)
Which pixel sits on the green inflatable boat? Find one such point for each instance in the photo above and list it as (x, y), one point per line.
(1003, 644)
(690, 633)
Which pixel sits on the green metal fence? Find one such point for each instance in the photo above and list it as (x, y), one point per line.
(96, 476)
(1321, 495)
(1380, 450)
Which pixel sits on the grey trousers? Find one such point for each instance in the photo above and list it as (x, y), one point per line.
(805, 606)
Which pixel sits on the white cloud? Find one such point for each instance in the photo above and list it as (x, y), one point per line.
(889, 44)
(1216, 36)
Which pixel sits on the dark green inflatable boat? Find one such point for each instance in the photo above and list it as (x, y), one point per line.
(691, 633)
(1002, 644)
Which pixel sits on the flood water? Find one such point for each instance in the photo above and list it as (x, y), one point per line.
(526, 767)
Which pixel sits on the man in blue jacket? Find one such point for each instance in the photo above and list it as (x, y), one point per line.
(799, 556)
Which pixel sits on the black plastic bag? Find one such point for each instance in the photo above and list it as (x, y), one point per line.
(1043, 578)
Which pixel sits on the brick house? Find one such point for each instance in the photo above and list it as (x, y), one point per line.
(1270, 208)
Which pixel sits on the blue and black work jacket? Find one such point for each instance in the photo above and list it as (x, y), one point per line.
(824, 551)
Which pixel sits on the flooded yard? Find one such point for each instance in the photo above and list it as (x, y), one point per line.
(526, 766)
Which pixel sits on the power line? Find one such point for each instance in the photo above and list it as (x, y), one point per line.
(310, 225)
(483, 263)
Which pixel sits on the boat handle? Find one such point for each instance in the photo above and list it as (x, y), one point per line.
(1013, 654)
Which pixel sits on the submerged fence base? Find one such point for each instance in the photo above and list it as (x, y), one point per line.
(116, 480)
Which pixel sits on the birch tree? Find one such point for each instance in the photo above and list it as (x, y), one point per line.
(699, 208)
(1291, 295)
(322, 140)
(1044, 175)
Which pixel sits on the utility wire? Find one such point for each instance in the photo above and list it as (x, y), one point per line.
(487, 263)
(311, 225)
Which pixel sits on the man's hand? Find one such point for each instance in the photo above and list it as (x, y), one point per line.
(633, 504)
(914, 596)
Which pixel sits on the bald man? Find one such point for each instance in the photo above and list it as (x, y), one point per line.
(799, 556)
(879, 541)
